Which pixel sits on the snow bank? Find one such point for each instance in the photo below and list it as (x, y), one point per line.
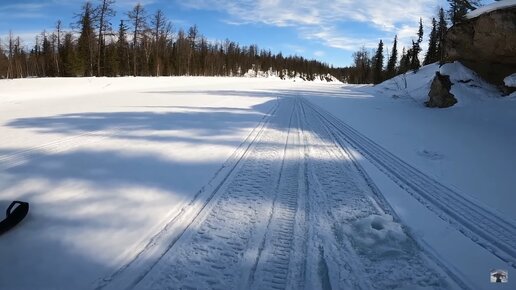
(412, 85)
(467, 86)
(378, 234)
(491, 7)
(510, 81)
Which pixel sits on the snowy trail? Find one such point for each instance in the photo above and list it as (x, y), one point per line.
(295, 212)
(59, 145)
(210, 255)
(352, 220)
(482, 226)
(135, 270)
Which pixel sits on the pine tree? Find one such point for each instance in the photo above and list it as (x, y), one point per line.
(57, 53)
(442, 27)
(192, 39)
(378, 64)
(404, 61)
(69, 57)
(48, 57)
(86, 41)
(3, 62)
(431, 54)
(416, 48)
(122, 50)
(393, 59)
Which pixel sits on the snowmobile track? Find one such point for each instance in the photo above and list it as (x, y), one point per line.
(342, 195)
(274, 257)
(135, 270)
(482, 226)
(220, 237)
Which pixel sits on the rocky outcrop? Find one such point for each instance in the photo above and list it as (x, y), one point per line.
(439, 94)
(485, 44)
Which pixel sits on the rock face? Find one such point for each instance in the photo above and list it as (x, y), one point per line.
(439, 94)
(485, 44)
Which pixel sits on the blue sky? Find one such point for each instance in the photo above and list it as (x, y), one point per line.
(329, 31)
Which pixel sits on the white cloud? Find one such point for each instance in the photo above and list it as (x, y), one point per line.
(319, 53)
(320, 20)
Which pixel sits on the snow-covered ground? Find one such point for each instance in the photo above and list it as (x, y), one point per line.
(256, 183)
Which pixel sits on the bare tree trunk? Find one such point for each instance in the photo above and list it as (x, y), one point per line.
(10, 61)
(58, 47)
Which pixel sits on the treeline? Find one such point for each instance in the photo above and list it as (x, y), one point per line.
(370, 67)
(143, 45)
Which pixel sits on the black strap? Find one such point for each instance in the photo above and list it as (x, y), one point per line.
(13, 217)
(9, 209)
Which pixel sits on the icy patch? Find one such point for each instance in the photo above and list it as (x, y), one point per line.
(378, 234)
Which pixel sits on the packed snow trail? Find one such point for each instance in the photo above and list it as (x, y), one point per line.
(482, 226)
(295, 212)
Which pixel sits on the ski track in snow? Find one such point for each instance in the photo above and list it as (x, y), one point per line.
(342, 196)
(482, 226)
(287, 214)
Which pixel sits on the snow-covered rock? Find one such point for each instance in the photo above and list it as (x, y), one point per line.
(510, 81)
(467, 86)
(491, 7)
(486, 43)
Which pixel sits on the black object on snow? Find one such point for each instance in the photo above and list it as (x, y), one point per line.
(14, 216)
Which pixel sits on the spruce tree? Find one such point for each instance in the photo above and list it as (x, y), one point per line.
(431, 54)
(442, 27)
(416, 48)
(69, 57)
(86, 41)
(393, 59)
(122, 50)
(404, 61)
(378, 64)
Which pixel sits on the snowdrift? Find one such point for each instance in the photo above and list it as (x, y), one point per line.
(467, 85)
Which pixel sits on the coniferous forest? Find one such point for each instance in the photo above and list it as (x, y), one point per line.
(145, 44)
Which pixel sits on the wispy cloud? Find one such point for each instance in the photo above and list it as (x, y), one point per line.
(322, 20)
(23, 10)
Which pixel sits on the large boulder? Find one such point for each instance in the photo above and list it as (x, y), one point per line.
(485, 44)
(439, 94)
